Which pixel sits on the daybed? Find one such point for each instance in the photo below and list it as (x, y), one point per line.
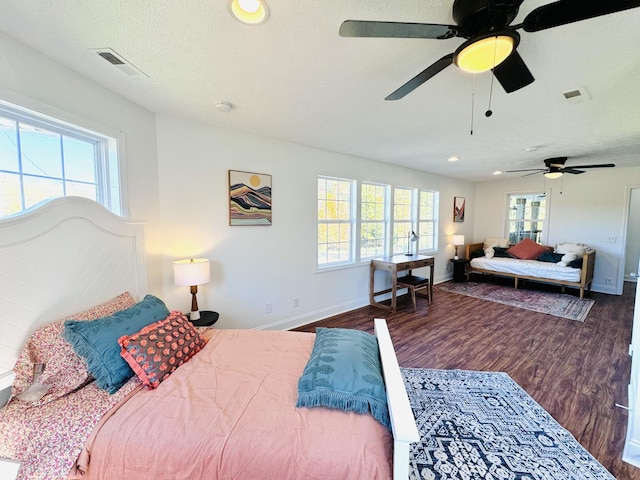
(570, 265)
(228, 410)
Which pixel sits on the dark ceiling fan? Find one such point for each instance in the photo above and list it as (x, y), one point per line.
(486, 26)
(555, 167)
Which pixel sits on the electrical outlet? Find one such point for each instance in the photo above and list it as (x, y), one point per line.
(296, 302)
(268, 308)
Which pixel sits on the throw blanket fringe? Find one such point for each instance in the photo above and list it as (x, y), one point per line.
(346, 401)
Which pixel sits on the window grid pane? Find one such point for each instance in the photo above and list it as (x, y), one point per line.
(402, 220)
(41, 158)
(335, 225)
(526, 217)
(427, 220)
(373, 200)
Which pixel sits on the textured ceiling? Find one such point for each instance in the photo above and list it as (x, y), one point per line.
(295, 79)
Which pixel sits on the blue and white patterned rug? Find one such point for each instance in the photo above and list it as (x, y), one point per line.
(483, 425)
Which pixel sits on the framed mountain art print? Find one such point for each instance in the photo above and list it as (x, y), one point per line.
(249, 198)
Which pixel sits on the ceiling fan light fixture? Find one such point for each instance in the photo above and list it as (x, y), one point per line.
(481, 54)
(552, 175)
(251, 12)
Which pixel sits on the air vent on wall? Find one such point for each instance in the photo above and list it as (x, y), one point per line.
(576, 96)
(119, 62)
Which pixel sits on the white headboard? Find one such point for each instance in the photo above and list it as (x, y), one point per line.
(59, 258)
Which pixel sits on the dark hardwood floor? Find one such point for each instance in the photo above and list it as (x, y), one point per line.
(577, 371)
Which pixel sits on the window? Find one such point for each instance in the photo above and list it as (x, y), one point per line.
(373, 220)
(427, 219)
(43, 158)
(335, 221)
(526, 217)
(358, 221)
(402, 220)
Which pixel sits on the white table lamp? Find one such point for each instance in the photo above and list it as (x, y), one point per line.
(191, 273)
(457, 240)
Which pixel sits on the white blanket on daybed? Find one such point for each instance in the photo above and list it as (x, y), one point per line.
(528, 268)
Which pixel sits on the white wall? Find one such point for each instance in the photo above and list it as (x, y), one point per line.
(253, 266)
(33, 80)
(591, 209)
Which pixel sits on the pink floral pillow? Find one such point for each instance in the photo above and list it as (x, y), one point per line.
(157, 350)
(64, 370)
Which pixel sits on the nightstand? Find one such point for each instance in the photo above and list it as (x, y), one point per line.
(207, 318)
(459, 269)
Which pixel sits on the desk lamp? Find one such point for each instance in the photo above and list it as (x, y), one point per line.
(411, 237)
(191, 273)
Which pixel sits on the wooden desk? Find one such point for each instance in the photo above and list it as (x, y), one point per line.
(393, 265)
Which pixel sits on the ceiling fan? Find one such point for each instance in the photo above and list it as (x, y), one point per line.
(555, 167)
(491, 40)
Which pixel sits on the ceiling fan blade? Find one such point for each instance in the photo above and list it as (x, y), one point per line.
(513, 74)
(366, 28)
(535, 170)
(564, 12)
(422, 77)
(600, 165)
(570, 170)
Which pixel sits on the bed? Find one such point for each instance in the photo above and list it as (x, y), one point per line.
(228, 412)
(544, 265)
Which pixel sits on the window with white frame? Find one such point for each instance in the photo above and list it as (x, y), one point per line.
(43, 158)
(336, 222)
(374, 200)
(357, 221)
(403, 217)
(427, 220)
(526, 217)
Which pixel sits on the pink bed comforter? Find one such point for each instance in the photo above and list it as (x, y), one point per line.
(229, 413)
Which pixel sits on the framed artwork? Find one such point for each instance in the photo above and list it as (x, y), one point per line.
(458, 209)
(249, 198)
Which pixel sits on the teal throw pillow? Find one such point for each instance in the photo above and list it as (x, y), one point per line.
(344, 372)
(97, 340)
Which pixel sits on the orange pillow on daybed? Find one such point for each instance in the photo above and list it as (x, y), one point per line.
(527, 249)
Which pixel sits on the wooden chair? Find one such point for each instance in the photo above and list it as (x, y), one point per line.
(415, 284)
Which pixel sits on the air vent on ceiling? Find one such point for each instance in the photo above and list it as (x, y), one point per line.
(119, 62)
(576, 96)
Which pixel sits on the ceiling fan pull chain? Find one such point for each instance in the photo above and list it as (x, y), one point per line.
(488, 113)
(473, 94)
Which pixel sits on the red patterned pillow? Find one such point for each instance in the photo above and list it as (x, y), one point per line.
(157, 350)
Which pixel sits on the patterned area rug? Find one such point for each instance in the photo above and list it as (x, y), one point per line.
(556, 304)
(482, 425)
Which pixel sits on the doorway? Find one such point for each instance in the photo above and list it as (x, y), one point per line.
(632, 240)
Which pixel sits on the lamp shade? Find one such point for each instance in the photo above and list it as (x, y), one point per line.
(194, 271)
(457, 240)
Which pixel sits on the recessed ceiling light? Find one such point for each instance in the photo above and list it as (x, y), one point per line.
(225, 107)
(453, 159)
(498, 172)
(251, 12)
(530, 149)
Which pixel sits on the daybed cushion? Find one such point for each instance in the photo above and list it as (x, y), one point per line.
(568, 247)
(490, 242)
(550, 257)
(97, 341)
(344, 372)
(157, 350)
(64, 370)
(527, 249)
(528, 268)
